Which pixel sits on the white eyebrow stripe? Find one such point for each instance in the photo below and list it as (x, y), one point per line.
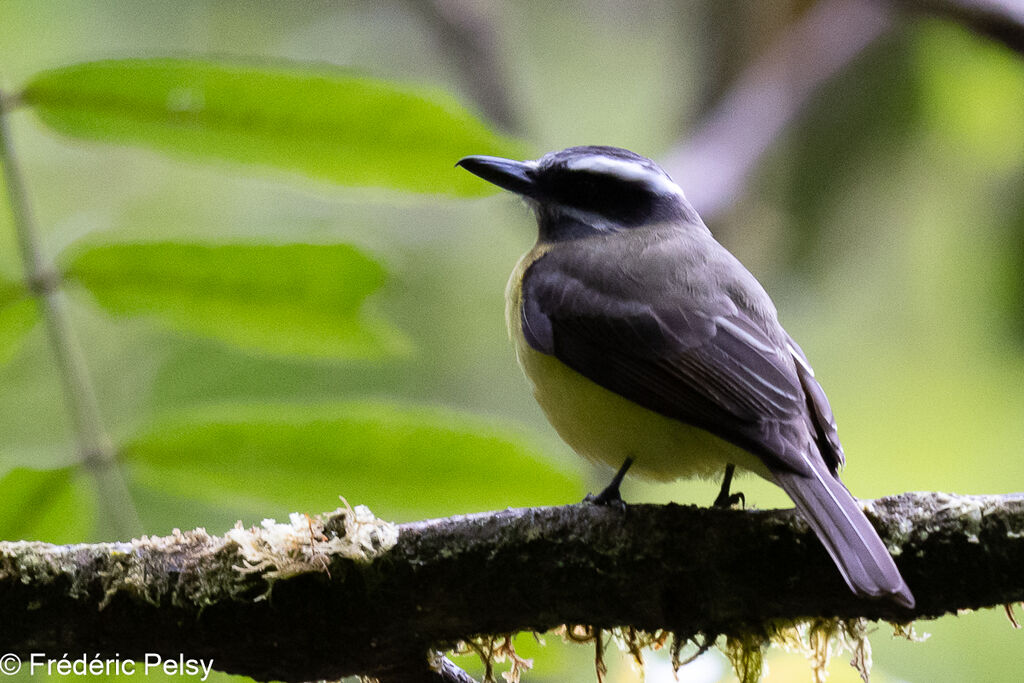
(626, 170)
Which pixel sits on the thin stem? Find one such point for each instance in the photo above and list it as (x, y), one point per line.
(95, 448)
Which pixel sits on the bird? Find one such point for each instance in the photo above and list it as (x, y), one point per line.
(649, 345)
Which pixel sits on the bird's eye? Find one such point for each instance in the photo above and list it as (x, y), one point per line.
(619, 199)
(587, 188)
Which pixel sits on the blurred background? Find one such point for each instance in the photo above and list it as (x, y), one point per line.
(865, 164)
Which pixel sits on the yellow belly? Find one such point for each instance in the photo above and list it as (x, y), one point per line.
(607, 428)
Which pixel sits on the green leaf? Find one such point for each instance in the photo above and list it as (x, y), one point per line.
(297, 299)
(322, 122)
(403, 461)
(56, 506)
(163, 511)
(18, 315)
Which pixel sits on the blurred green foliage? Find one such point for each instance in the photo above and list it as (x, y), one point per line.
(399, 460)
(302, 300)
(867, 112)
(56, 504)
(18, 313)
(325, 123)
(887, 223)
(312, 294)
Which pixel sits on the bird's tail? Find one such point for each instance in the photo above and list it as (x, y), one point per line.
(836, 518)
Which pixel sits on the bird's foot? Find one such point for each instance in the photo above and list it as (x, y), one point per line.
(730, 500)
(726, 499)
(611, 495)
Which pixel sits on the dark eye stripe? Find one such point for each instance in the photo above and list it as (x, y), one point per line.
(624, 201)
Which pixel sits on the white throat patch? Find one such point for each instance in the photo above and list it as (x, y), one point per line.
(631, 171)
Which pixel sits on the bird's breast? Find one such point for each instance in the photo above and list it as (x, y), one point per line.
(606, 427)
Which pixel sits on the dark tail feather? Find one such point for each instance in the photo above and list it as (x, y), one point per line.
(847, 534)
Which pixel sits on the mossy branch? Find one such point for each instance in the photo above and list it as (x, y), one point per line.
(347, 594)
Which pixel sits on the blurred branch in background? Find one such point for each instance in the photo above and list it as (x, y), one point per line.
(95, 449)
(467, 34)
(350, 594)
(714, 163)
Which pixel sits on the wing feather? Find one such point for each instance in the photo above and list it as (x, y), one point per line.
(711, 366)
(823, 422)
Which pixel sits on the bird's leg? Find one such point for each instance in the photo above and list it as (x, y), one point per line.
(611, 495)
(726, 499)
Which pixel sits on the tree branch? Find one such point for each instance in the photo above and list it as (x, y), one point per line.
(347, 594)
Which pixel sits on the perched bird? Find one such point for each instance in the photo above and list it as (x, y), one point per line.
(647, 342)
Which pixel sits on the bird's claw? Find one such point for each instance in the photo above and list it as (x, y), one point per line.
(607, 498)
(730, 500)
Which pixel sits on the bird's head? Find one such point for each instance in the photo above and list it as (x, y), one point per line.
(585, 190)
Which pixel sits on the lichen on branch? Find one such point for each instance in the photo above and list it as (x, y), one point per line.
(347, 594)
